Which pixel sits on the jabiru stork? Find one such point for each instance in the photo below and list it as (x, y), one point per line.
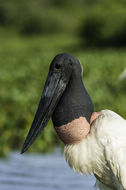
(95, 142)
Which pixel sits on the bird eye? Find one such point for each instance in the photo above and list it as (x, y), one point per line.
(57, 66)
(70, 63)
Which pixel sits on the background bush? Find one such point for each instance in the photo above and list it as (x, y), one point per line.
(104, 26)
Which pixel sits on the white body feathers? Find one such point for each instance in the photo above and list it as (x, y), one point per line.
(102, 152)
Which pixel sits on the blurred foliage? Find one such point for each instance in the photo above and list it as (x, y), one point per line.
(31, 34)
(104, 25)
(99, 23)
(39, 17)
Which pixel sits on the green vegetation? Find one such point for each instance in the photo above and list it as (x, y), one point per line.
(31, 39)
(104, 28)
(98, 23)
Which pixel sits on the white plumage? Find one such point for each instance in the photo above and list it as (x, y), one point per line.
(102, 152)
(122, 76)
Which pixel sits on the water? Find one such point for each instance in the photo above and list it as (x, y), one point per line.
(40, 172)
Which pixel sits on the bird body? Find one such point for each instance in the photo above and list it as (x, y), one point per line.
(102, 152)
(95, 143)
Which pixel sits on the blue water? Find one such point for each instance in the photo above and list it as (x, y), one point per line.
(41, 172)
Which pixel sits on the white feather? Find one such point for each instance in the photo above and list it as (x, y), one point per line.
(102, 152)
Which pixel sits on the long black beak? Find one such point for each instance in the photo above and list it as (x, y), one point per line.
(53, 90)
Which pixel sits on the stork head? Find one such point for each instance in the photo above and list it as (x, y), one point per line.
(64, 70)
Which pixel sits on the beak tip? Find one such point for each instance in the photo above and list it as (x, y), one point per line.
(22, 151)
(24, 148)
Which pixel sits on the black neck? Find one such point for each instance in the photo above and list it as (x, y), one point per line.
(74, 103)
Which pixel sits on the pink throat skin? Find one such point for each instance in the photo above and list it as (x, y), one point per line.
(94, 116)
(76, 130)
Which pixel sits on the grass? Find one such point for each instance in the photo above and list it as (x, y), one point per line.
(24, 66)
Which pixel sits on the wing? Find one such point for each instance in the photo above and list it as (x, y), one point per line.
(116, 160)
(114, 142)
(101, 186)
